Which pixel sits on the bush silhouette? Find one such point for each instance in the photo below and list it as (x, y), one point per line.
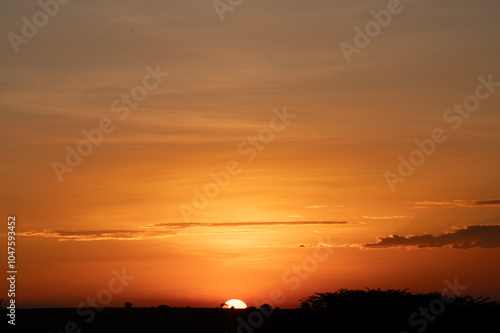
(358, 298)
(266, 307)
(392, 311)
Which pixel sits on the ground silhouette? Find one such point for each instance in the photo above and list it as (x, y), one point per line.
(370, 311)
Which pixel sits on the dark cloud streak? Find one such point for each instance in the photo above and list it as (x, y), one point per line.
(473, 236)
(459, 203)
(165, 230)
(242, 224)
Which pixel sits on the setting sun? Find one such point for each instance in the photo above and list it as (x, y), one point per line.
(235, 303)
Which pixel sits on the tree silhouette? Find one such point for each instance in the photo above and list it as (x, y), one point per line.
(394, 310)
(128, 305)
(266, 307)
(357, 298)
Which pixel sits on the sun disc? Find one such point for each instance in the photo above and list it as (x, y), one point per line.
(236, 303)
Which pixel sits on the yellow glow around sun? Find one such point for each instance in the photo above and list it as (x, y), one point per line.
(236, 303)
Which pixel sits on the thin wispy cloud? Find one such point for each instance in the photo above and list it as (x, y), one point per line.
(388, 217)
(473, 236)
(312, 246)
(118, 235)
(242, 224)
(162, 230)
(297, 246)
(459, 203)
(95, 235)
(323, 206)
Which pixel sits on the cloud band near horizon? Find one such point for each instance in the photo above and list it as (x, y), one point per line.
(472, 236)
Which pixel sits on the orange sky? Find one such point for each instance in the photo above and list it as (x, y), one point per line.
(229, 82)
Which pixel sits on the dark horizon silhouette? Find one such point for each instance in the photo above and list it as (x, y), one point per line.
(345, 310)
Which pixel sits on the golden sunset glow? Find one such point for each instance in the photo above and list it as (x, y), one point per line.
(197, 159)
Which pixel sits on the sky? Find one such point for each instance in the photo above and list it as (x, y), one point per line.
(210, 151)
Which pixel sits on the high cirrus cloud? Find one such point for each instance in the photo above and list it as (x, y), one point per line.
(116, 235)
(472, 236)
(459, 203)
(163, 230)
(243, 224)
(93, 235)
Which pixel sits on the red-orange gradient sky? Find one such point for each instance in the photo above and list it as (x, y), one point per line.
(296, 131)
